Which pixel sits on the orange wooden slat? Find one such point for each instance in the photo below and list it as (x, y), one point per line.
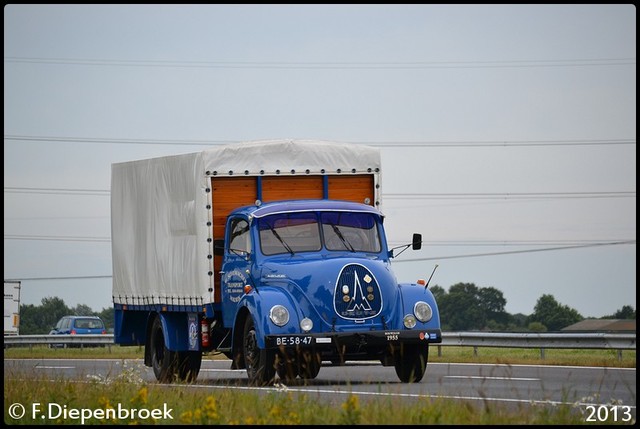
(276, 188)
(356, 188)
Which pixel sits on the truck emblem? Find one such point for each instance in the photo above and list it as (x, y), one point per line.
(360, 296)
(358, 299)
(193, 332)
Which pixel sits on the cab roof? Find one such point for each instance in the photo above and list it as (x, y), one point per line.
(308, 205)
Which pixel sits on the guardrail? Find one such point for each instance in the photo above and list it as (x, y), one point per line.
(528, 340)
(85, 340)
(531, 340)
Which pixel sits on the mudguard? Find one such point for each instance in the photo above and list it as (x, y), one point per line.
(410, 294)
(180, 330)
(259, 302)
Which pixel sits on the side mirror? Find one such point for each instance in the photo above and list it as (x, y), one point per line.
(218, 247)
(416, 243)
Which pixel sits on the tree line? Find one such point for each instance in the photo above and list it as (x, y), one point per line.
(464, 307)
(40, 319)
(467, 307)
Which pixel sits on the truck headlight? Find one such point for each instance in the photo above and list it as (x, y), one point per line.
(306, 324)
(409, 321)
(423, 311)
(279, 315)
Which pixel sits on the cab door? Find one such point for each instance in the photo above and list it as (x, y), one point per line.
(238, 255)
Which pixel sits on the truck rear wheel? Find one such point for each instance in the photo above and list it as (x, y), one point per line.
(411, 362)
(189, 363)
(169, 366)
(163, 360)
(260, 363)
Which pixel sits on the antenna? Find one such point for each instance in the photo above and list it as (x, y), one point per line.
(434, 270)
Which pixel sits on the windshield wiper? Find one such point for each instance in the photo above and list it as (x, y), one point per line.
(286, 246)
(239, 252)
(341, 237)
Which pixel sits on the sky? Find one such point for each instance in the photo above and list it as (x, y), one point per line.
(507, 133)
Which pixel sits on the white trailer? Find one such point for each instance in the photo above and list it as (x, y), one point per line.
(11, 307)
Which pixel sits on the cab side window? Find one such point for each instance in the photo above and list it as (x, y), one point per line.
(239, 238)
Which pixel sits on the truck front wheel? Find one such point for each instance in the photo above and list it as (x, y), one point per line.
(260, 363)
(310, 364)
(286, 365)
(411, 362)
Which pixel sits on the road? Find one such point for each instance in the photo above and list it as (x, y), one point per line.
(481, 384)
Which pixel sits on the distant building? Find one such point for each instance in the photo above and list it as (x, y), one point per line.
(603, 325)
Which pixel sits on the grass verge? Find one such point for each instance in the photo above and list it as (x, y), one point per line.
(448, 354)
(126, 399)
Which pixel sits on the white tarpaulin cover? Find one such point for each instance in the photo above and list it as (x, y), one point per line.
(159, 217)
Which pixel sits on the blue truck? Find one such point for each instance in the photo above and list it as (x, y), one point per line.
(271, 252)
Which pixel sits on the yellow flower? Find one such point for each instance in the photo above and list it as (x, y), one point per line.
(211, 408)
(103, 401)
(351, 404)
(141, 397)
(187, 417)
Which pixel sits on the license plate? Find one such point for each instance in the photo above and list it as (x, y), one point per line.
(294, 341)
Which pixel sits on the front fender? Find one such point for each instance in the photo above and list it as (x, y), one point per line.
(257, 304)
(411, 293)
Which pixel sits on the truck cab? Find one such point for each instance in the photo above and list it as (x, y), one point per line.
(307, 281)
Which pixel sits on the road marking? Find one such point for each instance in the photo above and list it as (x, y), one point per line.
(54, 367)
(283, 388)
(220, 370)
(479, 377)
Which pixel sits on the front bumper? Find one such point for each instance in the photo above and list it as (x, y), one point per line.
(359, 340)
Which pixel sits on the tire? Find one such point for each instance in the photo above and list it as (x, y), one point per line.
(163, 360)
(260, 363)
(309, 364)
(411, 362)
(286, 366)
(188, 365)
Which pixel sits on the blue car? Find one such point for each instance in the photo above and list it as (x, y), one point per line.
(78, 325)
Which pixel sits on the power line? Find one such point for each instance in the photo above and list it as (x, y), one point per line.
(62, 191)
(512, 195)
(326, 65)
(520, 143)
(57, 278)
(57, 238)
(453, 243)
(118, 141)
(473, 255)
(503, 243)
(50, 218)
(395, 261)
(391, 196)
(392, 144)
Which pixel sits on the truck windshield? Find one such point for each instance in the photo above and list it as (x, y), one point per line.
(289, 233)
(301, 232)
(355, 232)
